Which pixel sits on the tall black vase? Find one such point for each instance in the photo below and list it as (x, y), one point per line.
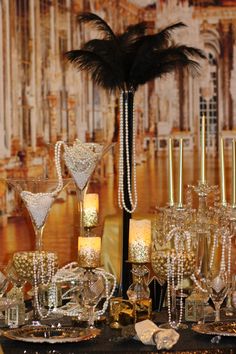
(127, 112)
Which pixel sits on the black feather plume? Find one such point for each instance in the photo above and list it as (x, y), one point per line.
(98, 22)
(132, 58)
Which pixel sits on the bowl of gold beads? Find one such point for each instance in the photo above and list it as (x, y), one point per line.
(34, 266)
(159, 262)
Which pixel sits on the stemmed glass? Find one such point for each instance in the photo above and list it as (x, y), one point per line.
(217, 285)
(81, 160)
(92, 292)
(38, 195)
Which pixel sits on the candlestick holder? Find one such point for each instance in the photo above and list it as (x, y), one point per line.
(173, 254)
(139, 289)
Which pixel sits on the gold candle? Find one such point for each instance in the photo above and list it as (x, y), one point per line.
(89, 249)
(180, 196)
(222, 173)
(170, 172)
(91, 206)
(139, 240)
(203, 151)
(233, 201)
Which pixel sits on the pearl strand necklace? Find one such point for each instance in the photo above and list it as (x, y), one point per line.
(124, 148)
(39, 275)
(171, 283)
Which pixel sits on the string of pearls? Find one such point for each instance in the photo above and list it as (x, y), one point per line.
(171, 276)
(39, 278)
(225, 242)
(108, 296)
(124, 149)
(72, 272)
(57, 159)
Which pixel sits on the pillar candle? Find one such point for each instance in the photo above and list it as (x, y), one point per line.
(170, 173)
(91, 206)
(222, 173)
(233, 199)
(203, 151)
(180, 194)
(89, 251)
(139, 241)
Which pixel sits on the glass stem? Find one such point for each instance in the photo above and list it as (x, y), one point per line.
(80, 196)
(39, 239)
(91, 317)
(217, 315)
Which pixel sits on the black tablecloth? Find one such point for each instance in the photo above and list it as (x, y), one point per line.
(106, 343)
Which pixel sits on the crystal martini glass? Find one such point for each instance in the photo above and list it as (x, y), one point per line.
(38, 195)
(81, 160)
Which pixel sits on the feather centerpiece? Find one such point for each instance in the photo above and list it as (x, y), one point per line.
(128, 54)
(122, 62)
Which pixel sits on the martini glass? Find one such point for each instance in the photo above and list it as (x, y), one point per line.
(81, 160)
(38, 195)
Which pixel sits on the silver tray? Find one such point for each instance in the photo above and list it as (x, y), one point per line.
(46, 334)
(216, 328)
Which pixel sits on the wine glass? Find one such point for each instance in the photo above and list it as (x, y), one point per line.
(92, 292)
(81, 160)
(217, 285)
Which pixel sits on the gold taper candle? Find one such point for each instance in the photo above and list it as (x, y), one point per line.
(180, 194)
(222, 173)
(203, 150)
(170, 173)
(233, 201)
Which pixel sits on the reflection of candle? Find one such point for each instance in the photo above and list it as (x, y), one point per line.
(170, 173)
(222, 173)
(89, 251)
(90, 210)
(203, 150)
(139, 240)
(180, 199)
(233, 175)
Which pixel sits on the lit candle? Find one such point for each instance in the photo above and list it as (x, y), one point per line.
(89, 249)
(170, 173)
(139, 240)
(233, 175)
(91, 206)
(180, 196)
(203, 151)
(222, 173)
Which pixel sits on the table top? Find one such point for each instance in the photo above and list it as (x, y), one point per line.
(108, 342)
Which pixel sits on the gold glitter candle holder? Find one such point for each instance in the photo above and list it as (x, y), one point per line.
(91, 207)
(89, 251)
(139, 241)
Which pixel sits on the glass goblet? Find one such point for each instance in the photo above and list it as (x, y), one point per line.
(93, 288)
(36, 268)
(217, 286)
